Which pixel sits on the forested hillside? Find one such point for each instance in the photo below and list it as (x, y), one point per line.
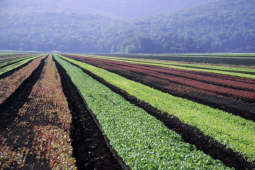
(228, 24)
(217, 26)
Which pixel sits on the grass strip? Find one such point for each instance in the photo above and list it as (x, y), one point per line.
(12, 61)
(194, 65)
(172, 65)
(1, 54)
(235, 132)
(18, 56)
(15, 65)
(141, 140)
(193, 55)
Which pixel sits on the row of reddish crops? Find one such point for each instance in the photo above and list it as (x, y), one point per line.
(159, 72)
(8, 56)
(190, 73)
(9, 84)
(39, 138)
(183, 73)
(9, 59)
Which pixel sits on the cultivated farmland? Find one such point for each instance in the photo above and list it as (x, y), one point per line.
(86, 112)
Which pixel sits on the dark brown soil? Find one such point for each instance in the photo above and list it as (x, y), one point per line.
(10, 107)
(216, 69)
(2, 61)
(240, 106)
(184, 62)
(2, 76)
(189, 133)
(9, 64)
(90, 147)
(204, 81)
(198, 67)
(206, 59)
(17, 55)
(236, 105)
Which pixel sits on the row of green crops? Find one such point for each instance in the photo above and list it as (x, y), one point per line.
(17, 56)
(194, 65)
(13, 61)
(141, 140)
(6, 54)
(173, 65)
(15, 65)
(233, 131)
(198, 55)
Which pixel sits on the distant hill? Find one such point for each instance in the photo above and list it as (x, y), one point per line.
(217, 26)
(228, 24)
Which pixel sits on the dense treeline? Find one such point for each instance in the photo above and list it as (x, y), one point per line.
(167, 43)
(228, 24)
(218, 26)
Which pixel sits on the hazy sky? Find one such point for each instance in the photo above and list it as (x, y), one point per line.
(114, 8)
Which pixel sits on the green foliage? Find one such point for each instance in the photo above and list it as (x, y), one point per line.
(166, 43)
(15, 65)
(219, 26)
(233, 131)
(7, 54)
(140, 139)
(179, 66)
(13, 61)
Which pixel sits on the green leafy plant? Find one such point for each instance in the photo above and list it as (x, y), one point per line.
(233, 131)
(140, 139)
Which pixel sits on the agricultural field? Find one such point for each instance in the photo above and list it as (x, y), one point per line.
(223, 58)
(74, 111)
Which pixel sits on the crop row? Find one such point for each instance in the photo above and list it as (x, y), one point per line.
(233, 131)
(15, 65)
(141, 140)
(169, 63)
(2, 60)
(224, 102)
(145, 63)
(237, 106)
(227, 72)
(9, 84)
(39, 137)
(12, 61)
(9, 55)
(177, 77)
(176, 72)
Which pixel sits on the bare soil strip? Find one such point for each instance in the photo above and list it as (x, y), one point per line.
(10, 108)
(91, 147)
(214, 69)
(14, 55)
(9, 64)
(41, 132)
(2, 76)
(189, 133)
(9, 59)
(206, 81)
(238, 106)
(232, 104)
(9, 84)
(209, 60)
(163, 72)
(196, 67)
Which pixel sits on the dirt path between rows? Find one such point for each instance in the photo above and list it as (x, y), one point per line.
(189, 133)
(10, 107)
(91, 148)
